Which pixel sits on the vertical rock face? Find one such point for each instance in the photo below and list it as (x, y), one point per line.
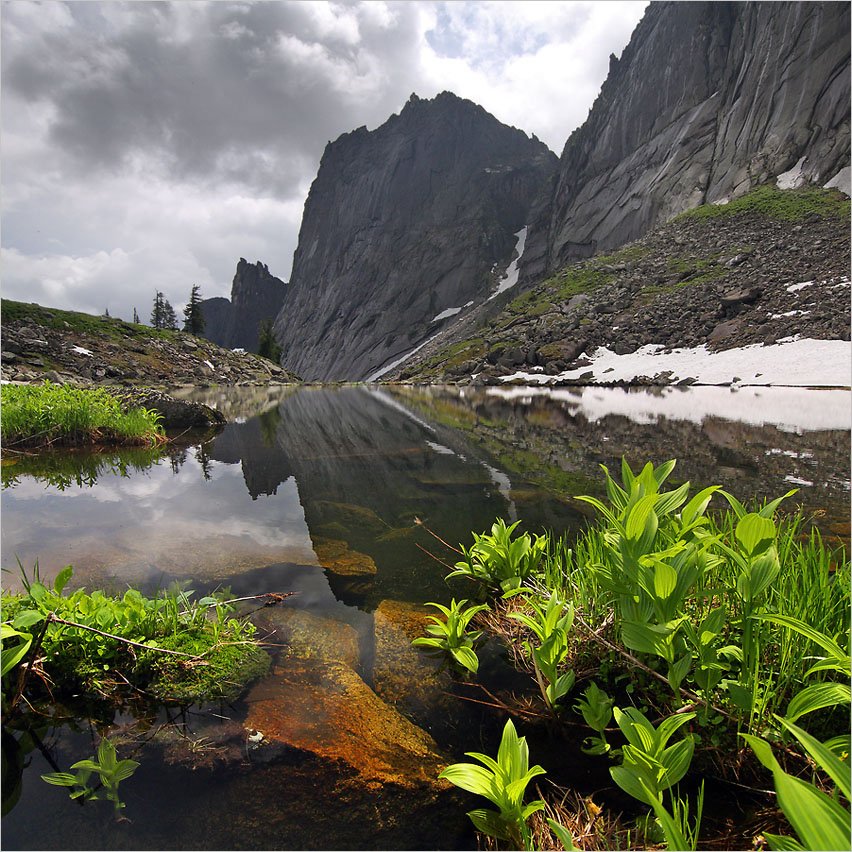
(707, 100)
(256, 295)
(401, 224)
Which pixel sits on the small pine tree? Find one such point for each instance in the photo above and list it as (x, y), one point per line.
(158, 314)
(193, 314)
(267, 345)
(106, 312)
(135, 316)
(169, 317)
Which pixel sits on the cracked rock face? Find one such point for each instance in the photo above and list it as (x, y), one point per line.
(707, 101)
(401, 224)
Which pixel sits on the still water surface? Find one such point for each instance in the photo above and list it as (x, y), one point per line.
(317, 491)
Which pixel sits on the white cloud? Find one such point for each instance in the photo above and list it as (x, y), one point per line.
(151, 145)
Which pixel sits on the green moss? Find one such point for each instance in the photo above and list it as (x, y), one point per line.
(223, 673)
(787, 204)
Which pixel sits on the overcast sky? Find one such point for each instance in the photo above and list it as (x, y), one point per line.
(150, 145)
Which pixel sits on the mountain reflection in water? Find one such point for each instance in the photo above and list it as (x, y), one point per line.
(317, 491)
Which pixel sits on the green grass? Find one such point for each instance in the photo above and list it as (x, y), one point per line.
(788, 204)
(108, 328)
(49, 413)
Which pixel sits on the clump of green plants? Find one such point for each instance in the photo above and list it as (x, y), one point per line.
(171, 647)
(110, 770)
(452, 636)
(723, 624)
(500, 562)
(51, 413)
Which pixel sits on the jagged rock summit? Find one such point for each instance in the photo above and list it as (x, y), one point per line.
(708, 100)
(404, 226)
(256, 295)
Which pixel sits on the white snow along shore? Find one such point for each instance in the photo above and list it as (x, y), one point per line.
(790, 362)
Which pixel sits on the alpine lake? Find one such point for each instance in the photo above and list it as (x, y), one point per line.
(332, 494)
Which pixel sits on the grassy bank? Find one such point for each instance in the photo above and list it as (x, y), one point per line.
(100, 647)
(682, 639)
(41, 415)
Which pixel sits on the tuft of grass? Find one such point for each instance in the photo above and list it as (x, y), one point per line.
(52, 413)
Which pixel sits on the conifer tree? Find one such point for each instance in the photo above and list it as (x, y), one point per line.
(158, 314)
(193, 314)
(135, 316)
(169, 317)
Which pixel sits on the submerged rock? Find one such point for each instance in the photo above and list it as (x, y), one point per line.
(404, 675)
(335, 556)
(312, 636)
(325, 709)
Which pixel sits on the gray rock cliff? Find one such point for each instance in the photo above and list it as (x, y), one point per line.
(256, 295)
(401, 224)
(707, 100)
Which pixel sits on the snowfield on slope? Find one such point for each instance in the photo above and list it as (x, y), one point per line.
(791, 363)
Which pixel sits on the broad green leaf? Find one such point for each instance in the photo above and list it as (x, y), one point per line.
(472, 778)
(631, 784)
(62, 579)
(665, 580)
(489, 822)
(13, 655)
(563, 835)
(661, 474)
(815, 697)
(755, 533)
(466, 657)
(823, 757)
(713, 622)
(696, 507)
(671, 500)
(60, 779)
(768, 510)
(678, 670)
(825, 642)
(27, 618)
(676, 759)
(819, 821)
(738, 507)
(740, 695)
(124, 769)
(783, 843)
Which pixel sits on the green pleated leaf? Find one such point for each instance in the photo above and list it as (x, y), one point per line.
(819, 821)
(782, 843)
(816, 696)
(489, 822)
(823, 756)
(472, 778)
(563, 835)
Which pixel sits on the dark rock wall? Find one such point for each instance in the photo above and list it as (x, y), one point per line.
(402, 223)
(256, 295)
(707, 100)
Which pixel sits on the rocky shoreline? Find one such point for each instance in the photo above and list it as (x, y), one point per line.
(723, 282)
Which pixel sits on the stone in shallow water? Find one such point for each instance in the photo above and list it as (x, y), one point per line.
(323, 708)
(336, 557)
(312, 636)
(407, 677)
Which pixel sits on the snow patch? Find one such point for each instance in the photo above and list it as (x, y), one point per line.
(510, 278)
(792, 178)
(80, 350)
(796, 481)
(801, 286)
(379, 373)
(450, 312)
(209, 365)
(842, 181)
(791, 362)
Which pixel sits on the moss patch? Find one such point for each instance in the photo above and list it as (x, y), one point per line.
(788, 204)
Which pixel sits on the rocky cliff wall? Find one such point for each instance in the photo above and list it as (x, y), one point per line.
(256, 295)
(401, 224)
(707, 100)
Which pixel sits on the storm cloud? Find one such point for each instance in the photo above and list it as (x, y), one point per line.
(149, 145)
